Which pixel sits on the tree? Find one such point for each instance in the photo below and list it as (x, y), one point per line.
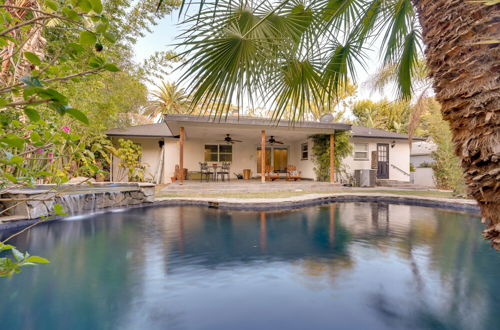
(290, 52)
(167, 99)
(386, 115)
(446, 165)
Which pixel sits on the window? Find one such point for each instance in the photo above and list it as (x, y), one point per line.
(218, 153)
(304, 150)
(361, 151)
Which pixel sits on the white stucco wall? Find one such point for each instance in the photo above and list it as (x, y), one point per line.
(399, 156)
(245, 154)
(150, 157)
(424, 176)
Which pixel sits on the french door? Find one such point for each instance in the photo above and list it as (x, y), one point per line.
(382, 161)
(277, 157)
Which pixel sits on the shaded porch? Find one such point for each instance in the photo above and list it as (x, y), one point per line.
(240, 142)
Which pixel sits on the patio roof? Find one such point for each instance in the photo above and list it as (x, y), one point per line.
(174, 122)
(369, 132)
(148, 130)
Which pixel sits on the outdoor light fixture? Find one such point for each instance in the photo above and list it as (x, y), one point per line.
(393, 144)
(161, 143)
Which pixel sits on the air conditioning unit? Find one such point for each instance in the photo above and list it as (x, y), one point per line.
(365, 178)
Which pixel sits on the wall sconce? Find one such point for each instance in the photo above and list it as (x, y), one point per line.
(161, 143)
(393, 144)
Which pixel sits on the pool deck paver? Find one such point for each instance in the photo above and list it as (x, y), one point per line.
(318, 197)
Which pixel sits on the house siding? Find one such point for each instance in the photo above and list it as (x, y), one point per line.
(245, 156)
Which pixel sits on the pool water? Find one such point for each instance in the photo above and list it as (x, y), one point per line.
(337, 266)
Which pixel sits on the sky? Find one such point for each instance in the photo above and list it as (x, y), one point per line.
(164, 35)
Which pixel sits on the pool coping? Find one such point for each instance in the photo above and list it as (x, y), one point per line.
(275, 204)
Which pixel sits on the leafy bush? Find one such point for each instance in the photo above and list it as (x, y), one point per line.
(130, 160)
(321, 154)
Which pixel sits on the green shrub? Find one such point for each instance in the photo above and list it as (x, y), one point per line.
(321, 154)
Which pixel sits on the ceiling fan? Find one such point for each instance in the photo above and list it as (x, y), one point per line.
(229, 139)
(272, 140)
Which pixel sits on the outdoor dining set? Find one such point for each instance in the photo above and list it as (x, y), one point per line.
(214, 172)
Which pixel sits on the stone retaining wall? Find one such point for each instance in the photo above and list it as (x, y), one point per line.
(36, 203)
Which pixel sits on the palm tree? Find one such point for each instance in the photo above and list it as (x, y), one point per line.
(286, 54)
(167, 99)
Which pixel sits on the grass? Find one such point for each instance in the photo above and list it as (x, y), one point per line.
(285, 194)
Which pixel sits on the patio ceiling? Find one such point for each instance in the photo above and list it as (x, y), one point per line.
(247, 129)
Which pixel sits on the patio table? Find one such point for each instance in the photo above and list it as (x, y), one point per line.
(215, 167)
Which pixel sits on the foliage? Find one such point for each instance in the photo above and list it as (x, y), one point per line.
(447, 170)
(288, 54)
(130, 160)
(167, 99)
(386, 115)
(12, 265)
(321, 154)
(52, 52)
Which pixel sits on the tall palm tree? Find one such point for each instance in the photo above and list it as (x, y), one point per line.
(287, 54)
(167, 99)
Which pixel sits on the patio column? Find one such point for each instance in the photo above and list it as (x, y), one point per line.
(181, 155)
(332, 158)
(263, 156)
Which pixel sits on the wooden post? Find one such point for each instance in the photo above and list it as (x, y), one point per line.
(181, 155)
(263, 156)
(332, 158)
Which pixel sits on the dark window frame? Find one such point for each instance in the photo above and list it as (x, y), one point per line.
(218, 153)
(304, 151)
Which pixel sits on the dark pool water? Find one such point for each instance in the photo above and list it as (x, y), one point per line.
(339, 266)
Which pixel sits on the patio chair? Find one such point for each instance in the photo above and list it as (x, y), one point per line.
(225, 171)
(270, 174)
(205, 171)
(292, 173)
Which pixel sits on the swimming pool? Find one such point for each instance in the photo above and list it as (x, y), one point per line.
(336, 266)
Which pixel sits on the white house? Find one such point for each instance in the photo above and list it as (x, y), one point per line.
(187, 140)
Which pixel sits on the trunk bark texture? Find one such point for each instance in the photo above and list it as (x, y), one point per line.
(463, 56)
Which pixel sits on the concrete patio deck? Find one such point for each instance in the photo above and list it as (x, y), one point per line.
(255, 186)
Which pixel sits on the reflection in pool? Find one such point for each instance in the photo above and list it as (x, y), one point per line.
(339, 266)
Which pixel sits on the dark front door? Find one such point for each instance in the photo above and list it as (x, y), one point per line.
(383, 161)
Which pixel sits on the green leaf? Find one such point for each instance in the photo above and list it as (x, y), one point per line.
(109, 37)
(60, 108)
(74, 48)
(17, 254)
(33, 58)
(111, 68)
(36, 259)
(101, 28)
(16, 160)
(84, 5)
(32, 114)
(52, 5)
(70, 13)
(96, 62)
(13, 141)
(35, 137)
(87, 38)
(96, 6)
(77, 114)
(52, 94)
(59, 209)
(10, 177)
(31, 81)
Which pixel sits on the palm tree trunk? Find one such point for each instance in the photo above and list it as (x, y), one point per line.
(463, 56)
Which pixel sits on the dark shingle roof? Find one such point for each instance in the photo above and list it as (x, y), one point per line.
(368, 132)
(149, 130)
(254, 121)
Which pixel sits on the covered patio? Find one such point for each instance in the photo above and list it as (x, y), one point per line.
(240, 141)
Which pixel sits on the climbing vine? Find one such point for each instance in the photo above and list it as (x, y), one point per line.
(321, 154)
